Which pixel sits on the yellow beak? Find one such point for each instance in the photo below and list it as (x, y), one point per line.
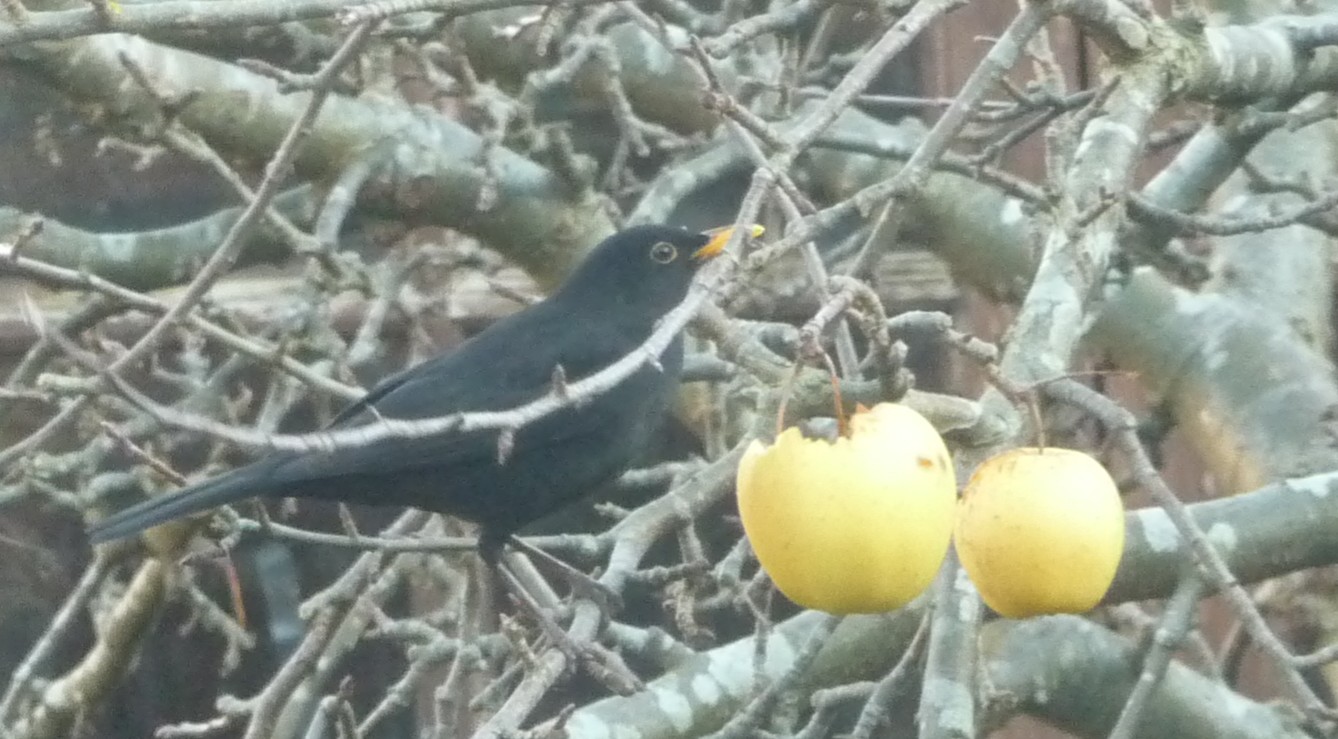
(720, 237)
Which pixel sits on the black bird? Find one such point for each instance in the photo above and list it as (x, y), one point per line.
(607, 308)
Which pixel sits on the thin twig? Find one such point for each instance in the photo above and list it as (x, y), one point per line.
(1176, 622)
(71, 610)
(1123, 428)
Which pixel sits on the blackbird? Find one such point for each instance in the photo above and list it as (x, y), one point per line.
(607, 308)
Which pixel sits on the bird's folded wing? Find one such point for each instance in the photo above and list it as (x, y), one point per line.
(396, 454)
(484, 374)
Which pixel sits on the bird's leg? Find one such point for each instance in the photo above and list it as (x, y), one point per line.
(601, 663)
(490, 548)
(582, 584)
(527, 603)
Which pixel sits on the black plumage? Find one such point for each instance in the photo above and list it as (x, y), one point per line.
(607, 308)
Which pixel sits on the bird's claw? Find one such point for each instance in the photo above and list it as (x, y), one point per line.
(606, 598)
(582, 585)
(601, 663)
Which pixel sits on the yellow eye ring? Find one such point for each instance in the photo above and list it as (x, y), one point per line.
(663, 252)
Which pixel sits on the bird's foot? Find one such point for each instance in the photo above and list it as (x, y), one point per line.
(601, 663)
(582, 585)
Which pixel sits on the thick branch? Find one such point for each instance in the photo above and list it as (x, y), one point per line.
(1076, 674)
(431, 178)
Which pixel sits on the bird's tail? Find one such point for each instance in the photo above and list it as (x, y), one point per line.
(240, 484)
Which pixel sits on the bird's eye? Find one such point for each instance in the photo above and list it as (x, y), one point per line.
(663, 252)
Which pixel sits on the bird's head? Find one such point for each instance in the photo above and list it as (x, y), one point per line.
(645, 268)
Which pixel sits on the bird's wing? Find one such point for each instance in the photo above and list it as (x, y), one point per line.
(496, 370)
(502, 368)
(508, 364)
(479, 375)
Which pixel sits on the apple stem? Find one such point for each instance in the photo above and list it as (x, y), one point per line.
(234, 588)
(1034, 405)
(787, 389)
(836, 393)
